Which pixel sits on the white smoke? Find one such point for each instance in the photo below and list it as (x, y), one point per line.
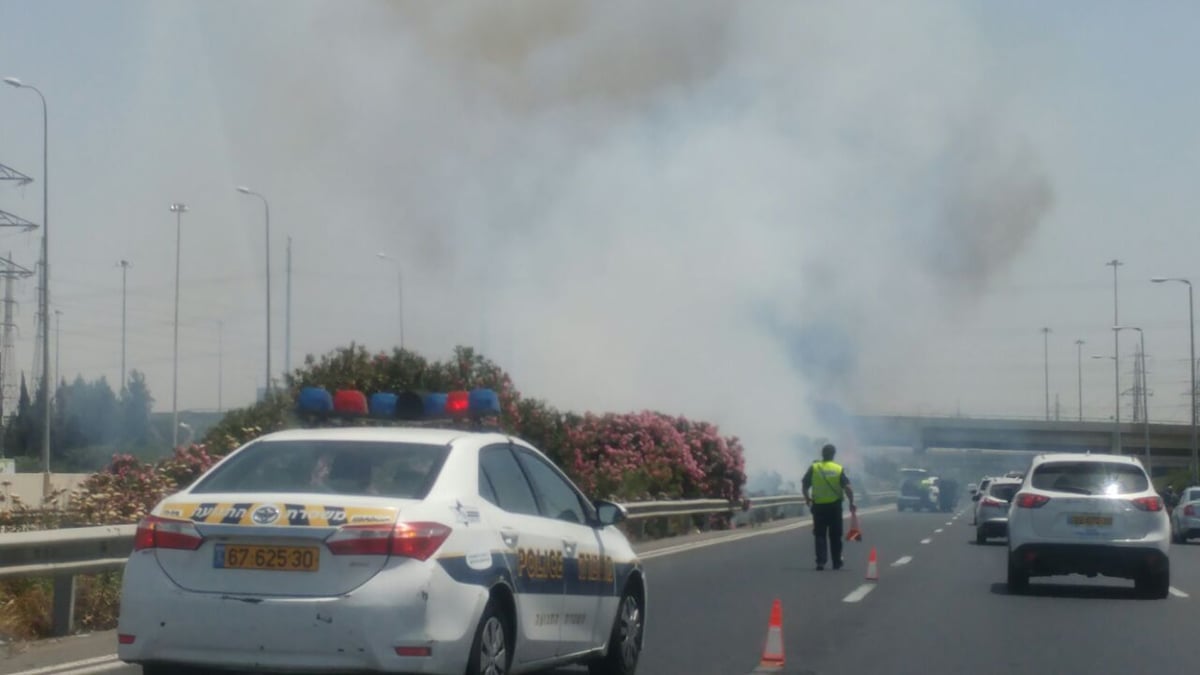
(710, 208)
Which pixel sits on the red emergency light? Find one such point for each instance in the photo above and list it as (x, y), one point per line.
(457, 403)
(350, 401)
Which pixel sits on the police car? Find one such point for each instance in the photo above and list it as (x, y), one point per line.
(400, 549)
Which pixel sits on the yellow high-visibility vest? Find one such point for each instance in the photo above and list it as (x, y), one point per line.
(826, 482)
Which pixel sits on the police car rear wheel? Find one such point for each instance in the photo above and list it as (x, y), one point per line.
(490, 653)
(625, 644)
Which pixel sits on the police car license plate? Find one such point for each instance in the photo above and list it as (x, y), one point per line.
(1091, 520)
(276, 558)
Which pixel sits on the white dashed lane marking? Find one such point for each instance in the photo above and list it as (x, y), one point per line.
(902, 561)
(938, 531)
(859, 593)
(1178, 593)
(926, 541)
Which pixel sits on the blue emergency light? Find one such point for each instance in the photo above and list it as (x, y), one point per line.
(316, 403)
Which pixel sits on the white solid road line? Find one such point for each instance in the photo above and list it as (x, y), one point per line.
(1178, 593)
(859, 593)
(95, 669)
(902, 561)
(93, 665)
(735, 535)
(926, 541)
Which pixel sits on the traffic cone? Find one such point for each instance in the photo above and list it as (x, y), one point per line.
(855, 534)
(872, 567)
(772, 656)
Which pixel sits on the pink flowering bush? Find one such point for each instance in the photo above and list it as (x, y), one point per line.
(721, 460)
(633, 456)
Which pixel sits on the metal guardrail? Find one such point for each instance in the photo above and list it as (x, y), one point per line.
(64, 553)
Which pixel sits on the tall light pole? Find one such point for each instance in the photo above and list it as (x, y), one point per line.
(220, 362)
(178, 209)
(1114, 263)
(1079, 357)
(45, 295)
(287, 324)
(247, 191)
(399, 291)
(1046, 366)
(1145, 397)
(57, 343)
(1192, 368)
(125, 265)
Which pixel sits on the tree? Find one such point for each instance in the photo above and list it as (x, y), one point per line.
(136, 403)
(16, 436)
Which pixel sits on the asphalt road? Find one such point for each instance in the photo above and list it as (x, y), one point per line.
(945, 610)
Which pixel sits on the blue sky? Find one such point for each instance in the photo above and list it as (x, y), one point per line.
(610, 200)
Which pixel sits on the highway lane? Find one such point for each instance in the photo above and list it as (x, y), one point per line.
(945, 609)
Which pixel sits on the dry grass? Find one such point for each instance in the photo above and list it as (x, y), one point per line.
(26, 605)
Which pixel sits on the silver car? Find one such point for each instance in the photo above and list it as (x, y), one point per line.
(991, 514)
(1185, 519)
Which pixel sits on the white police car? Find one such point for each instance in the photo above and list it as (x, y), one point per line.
(410, 550)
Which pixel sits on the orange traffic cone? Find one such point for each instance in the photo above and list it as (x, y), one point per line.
(855, 534)
(772, 656)
(872, 567)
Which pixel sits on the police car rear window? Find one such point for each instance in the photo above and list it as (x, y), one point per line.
(362, 468)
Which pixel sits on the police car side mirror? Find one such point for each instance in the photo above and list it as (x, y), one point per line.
(975, 497)
(609, 513)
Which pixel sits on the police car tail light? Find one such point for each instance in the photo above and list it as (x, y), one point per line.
(408, 540)
(1028, 500)
(156, 532)
(418, 540)
(988, 501)
(1148, 503)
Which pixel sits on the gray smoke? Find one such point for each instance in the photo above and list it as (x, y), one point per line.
(720, 209)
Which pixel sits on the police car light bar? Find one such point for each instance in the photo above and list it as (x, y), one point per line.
(316, 403)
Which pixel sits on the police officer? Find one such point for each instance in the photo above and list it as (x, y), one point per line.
(828, 482)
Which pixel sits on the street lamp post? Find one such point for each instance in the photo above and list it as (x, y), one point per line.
(45, 294)
(57, 343)
(399, 292)
(125, 265)
(1145, 397)
(178, 209)
(1079, 357)
(1192, 367)
(1114, 263)
(267, 207)
(1046, 366)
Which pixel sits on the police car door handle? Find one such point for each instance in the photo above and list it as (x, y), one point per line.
(509, 536)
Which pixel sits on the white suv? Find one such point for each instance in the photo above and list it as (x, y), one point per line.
(1089, 514)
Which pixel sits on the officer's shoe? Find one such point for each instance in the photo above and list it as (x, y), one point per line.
(820, 566)
(837, 564)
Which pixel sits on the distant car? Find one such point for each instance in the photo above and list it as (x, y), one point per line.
(1089, 514)
(1185, 518)
(992, 509)
(414, 550)
(983, 486)
(915, 492)
(972, 488)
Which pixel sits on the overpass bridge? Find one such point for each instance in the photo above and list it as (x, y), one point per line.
(1170, 444)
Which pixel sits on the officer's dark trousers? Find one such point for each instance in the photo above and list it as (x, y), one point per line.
(827, 523)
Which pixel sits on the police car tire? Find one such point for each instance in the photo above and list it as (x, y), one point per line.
(491, 611)
(614, 662)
